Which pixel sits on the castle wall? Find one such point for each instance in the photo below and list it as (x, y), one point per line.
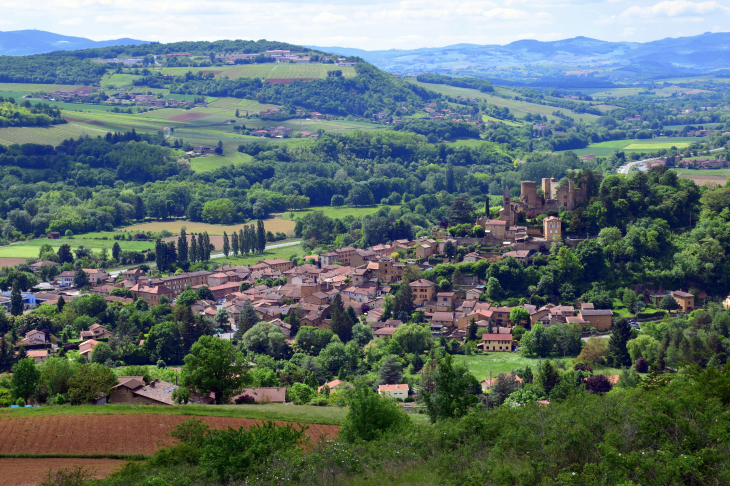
(528, 195)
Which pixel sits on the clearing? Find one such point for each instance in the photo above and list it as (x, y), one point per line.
(480, 365)
(277, 71)
(29, 249)
(333, 212)
(273, 225)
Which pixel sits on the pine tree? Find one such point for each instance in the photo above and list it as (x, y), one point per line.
(116, 251)
(80, 278)
(617, 352)
(471, 330)
(226, 244)
(403, 305)
(486, 206)
(64, 254)
(311, 381)
(340, 321)
(193, 253)
(237, 113)
(246, 320)
(242, 245)
(60, 303)
(234, 243)
(182, 246)
(260, 236)
(16, 300)
(138, 208)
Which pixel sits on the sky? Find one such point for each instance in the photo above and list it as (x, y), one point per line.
(369, 24)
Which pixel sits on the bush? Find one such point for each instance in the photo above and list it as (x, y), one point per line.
(582, 367)
(598, 384)
(245, 400)
(370, 415)
(641, 366)
(319, 401)
(20, 402)
(161, 364)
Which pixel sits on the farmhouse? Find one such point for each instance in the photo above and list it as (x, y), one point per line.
(394, 391)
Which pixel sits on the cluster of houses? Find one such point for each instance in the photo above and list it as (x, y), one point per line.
(698, 163)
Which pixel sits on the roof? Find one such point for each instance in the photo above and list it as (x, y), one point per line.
(595, 312)
(496, 222)
(551, 218)
(159, 391)
(385, 331)
(496, 337)
(443, 316)
(401, 387)
(277, 395)
(37, 353)
(422, 283)
(331, 385)
(679, 293)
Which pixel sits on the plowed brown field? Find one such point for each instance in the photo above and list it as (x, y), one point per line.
(110, 434)
(29, 472)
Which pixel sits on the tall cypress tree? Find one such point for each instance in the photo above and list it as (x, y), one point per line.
(170, 254)
(242, 242)
(201, 247)
(16, 300)
(486, 206)
(160, 252)
(617, 351)
(260, 236)
(234, 243)
(206, 240)
(193, 253)
(226, 244)
(182, 246)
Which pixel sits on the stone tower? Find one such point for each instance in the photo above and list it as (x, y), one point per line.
(507, 212)
(528, 194)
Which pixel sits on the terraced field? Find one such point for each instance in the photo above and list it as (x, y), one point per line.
(269, 71)
(518, 108)
(35, 88)
(241, 105)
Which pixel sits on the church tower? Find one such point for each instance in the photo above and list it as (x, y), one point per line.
(507, 212)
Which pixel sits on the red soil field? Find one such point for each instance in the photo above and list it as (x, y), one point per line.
(11, 262)
(186, 117)
(110, 434)
(288, 80)
(29, 472)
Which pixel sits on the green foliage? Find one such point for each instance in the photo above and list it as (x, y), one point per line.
(265, 338)
(25, 379)
(214, 366)
(370, 415)
(91, 381)
(455, 391)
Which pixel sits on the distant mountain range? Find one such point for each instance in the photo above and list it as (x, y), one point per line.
(26, 42)
(534, 59)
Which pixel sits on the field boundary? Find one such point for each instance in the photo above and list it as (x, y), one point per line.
(122, 457)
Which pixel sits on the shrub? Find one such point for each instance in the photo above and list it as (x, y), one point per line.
(641, 366)
(245, 400)
(20, 402)
(582, 367)
(370, 415)
(598, 384)
(319, 401)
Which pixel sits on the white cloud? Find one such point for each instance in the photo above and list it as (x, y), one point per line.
(606, 20)
(329, 18)
(74, 21)
(675, 8)
(505, 14)
(629, 31)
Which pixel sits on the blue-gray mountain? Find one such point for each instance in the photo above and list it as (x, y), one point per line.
(26, 42)
(531, 60)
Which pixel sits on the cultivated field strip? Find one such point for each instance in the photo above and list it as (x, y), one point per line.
(31, 472)
(110, 434)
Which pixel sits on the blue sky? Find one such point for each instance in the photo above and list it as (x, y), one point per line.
(372, 24)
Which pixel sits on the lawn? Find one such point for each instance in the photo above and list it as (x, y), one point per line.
(509, 123)
(604, 149)
(29, 249)
(480, 365)
(272, 411)
(333, 212)
(274, 225)
(37, 88)
(212, 162)
(656, 146)
(284, 253)
(52, 135)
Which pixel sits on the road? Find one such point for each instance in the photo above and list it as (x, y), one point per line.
(116, 272)
(624, 169)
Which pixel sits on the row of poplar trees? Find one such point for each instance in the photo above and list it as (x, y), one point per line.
(197, 250)
(247, 240)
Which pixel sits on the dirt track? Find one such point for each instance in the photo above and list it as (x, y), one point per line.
(109, 434)
(30, 472)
